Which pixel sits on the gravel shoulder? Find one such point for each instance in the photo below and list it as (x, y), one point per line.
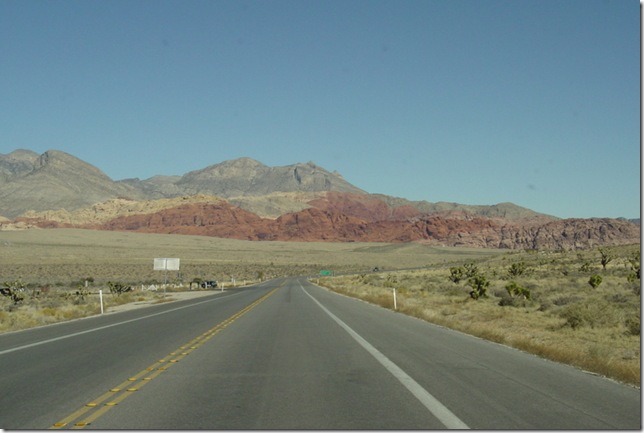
(170, 297)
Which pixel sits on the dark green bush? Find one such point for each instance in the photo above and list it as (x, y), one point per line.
(595, 281)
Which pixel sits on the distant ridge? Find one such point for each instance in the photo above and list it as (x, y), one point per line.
(57, 180)
(246, 199)
(246, 176)
(53, 180)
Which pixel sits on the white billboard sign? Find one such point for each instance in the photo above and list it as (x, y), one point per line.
(166, 264)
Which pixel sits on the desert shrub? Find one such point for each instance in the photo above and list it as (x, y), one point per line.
(633, 326)
(391, 281)
(402, 290)
(590, 313)
(595, 281)
(514, 289)
(545, 305)
(451, 291)
(510, 301)
(50, 302)
(574, 316)
(49, 311)
(617, 298)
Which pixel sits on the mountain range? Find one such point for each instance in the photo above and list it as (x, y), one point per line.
(246, 199)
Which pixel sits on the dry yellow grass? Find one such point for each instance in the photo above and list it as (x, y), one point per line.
(596, 329)
(61, 257)
(55, 263)
(59, 304)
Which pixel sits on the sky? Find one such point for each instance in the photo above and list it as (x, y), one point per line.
(468, 101)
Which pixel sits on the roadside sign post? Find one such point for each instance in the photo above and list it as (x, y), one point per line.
(165, 264)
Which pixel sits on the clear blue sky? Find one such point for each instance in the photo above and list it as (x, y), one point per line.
(475, 102)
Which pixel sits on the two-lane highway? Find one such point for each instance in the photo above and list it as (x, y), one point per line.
(289, 355)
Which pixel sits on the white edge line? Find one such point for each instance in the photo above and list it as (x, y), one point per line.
(443, 414)
(62, 337)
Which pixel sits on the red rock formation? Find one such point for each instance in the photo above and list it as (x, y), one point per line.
(219, 219)
(350, 217)
(362, 206)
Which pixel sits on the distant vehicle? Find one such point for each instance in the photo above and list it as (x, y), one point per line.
(208, 284)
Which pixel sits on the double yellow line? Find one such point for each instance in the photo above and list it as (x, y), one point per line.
(100, 405)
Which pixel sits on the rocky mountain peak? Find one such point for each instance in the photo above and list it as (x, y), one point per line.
(57, 180)
(248, 177)
(62, 164)
(246, 199)
(21, 155)
(243, 162)
(17, 163)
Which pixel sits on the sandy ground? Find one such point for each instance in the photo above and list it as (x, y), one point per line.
(170, 297)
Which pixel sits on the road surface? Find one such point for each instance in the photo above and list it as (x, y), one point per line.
(286, 354)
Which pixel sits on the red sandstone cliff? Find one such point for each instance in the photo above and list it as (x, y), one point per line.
(343, 217)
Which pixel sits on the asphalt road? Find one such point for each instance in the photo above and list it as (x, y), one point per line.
(289, 355)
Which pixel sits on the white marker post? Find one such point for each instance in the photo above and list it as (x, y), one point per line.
(100, 296)
(395, 307)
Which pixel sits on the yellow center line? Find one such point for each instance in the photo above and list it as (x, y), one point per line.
(100, 405)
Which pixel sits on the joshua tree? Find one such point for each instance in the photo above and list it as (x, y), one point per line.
(118, 288)
(456, 274)
(606, 257)
(517, 269)
(479, 285)
(516, 290)
(13, 289)
(635, 266)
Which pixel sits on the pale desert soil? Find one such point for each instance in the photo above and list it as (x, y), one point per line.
(169, 297)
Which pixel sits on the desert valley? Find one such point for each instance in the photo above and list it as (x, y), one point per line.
(565, 289)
